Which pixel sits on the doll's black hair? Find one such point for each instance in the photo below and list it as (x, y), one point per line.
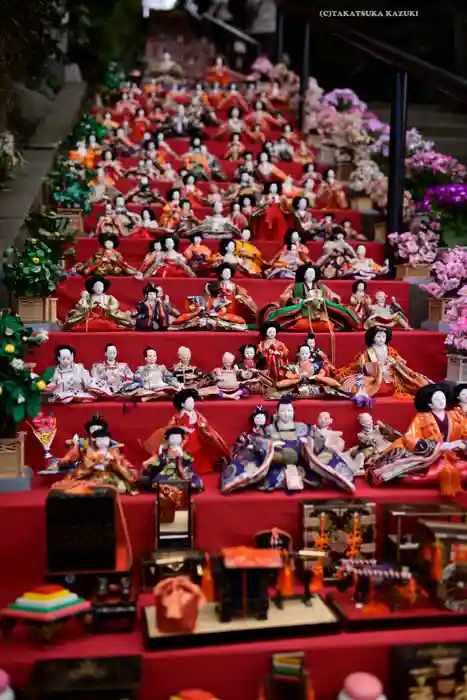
(337, 231)
(457, 391)
(150, 287)
(251, 197)
(100, 432)
(180, 398)
(268, 324)
(243, 348)
(152, 214)
(371, 333)
(225, 266)
(171, 192)
(185, 178)
(267, 187)
(152, 244)
(174, 431)
(296, 201)
(164, 240)
(425, 394)
(259, 411)
(306, 168)
(288, 237)
(302, 269)
(103, 237)
(91, 281)
(357, 283)
(96, 420)
(229, 113)
(223, 245)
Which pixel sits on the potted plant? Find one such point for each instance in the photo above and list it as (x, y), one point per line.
(21, 391)
(450, 203)
(456, 339)
(416, 250)
(361, 181)
(427, 169)
(32, 277)
(55, 230)
(447, 275)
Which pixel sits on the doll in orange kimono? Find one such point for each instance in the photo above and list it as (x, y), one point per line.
(433, 451)
(384, 370)
(330, 193)
(100, 461)
(263, 118)
(233, 98)
(219, 73)
(202, 442)
(171, 212)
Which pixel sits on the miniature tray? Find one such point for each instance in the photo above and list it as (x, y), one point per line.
(423, 614)
(295, 620)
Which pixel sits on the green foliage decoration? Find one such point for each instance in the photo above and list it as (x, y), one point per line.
(32, 272)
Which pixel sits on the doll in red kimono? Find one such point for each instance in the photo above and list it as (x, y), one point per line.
(141, 126)
(202, 442)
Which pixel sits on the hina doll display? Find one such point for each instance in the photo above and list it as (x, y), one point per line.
(187, 221)
(433, 451)
(171, 462)
(288, 259)
(270, 221)
(337, 256)
(110, 378)
(266, 171)
(188, 375)
(216, 226)
(155, 312)
(360, 301)
(152, 380)
(211, 312)
(141, 125)
(148, 227)
(234, 125)
(303, 218)
(96, 310)
(310, 376)
(382, 313)
(237, 217)
(168, 263)
(284, 150)
(227, 379)
(373, 438)
(70, 379)
(127, 219)
(250, 259)
(307, 305)
(273, 351)
(170, 216)
(144, 194)
(112, 166)
(102, 188)
(220, 74)
(351, 234)
(253, 368)
(109, 222)
(260, 116)
(361, 267)
(107, 260)
(100, 462)
(384, 370)
(235, 149)
(299, 458)
(240, 301)
(330, 193)
(202, 442)
(197, 255)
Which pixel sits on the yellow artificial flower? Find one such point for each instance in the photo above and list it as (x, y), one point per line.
(1, 390)
(33, 241)
(9, 348)
(36, 260)
(41, 385)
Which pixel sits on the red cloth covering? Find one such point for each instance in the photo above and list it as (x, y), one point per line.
(178, 602)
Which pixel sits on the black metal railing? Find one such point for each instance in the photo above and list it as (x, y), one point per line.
(403, 65)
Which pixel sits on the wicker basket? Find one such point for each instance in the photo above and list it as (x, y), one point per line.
(37, 309)
(12, 457)
(360, 203)
(403, 271)
(381, 232)
(77, 220)
(437, 310)
(457, 368)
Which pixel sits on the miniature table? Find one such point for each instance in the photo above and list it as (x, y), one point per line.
(46, 625)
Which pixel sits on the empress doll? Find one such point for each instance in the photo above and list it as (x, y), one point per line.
(241, 302)
(361, 267)
(270, 221)
(102, 462)
(107, 260)
(360, 301)
(330, 193)
(168, 263)
(70, 380)
(273, 351)
(201, 441)
(211, 312)
(155, 312)
(171, 462)
(250, 258)
(288, 259)
(266, 171)
(148, 227)
(303, 218)
(96, 310)
(384, 370)
(307, 305)
(337, 255)
(432, 451)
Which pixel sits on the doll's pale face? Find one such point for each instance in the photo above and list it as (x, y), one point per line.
(226, 274)
(302, 204)
(236, 208)
(111, 353)
(98, 288)
(166, 56)
(244, 179)
(145, 181)
(151, 357)
(120, 202)
(463, 396)
(102, 443)
(186, 208)
(360, 287)
(219, 62)
(245, 234)
(295, 237)
(360, 251)
(380, 339)
(217, 207)
(169, 243)
(228, 359)
(189, 404)
(176, 197)
(438, 401)
(273, 188)
(324, 420)
(175, 440)
(246, 203)
(108, 156)
(120, 132)
(190, 180)
(236, 138)
(249, 354)
(146, 216)
(157, 247)
(108, 244)
(248, 157)
(310, 275)
(327, 220)
(65, 359)
(184, 355)
(263, 158)
(271, 332)
(140, 113)
(304, 353)
(259, 420)
(380, 298)
(331, 175)
(286, 413)
(159, 138)
(230, 247)
(197, 240)
(151, 297)
(346, 225)
(365, 420)
(108, 209)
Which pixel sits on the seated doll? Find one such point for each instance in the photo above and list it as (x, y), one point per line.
(171, 462)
